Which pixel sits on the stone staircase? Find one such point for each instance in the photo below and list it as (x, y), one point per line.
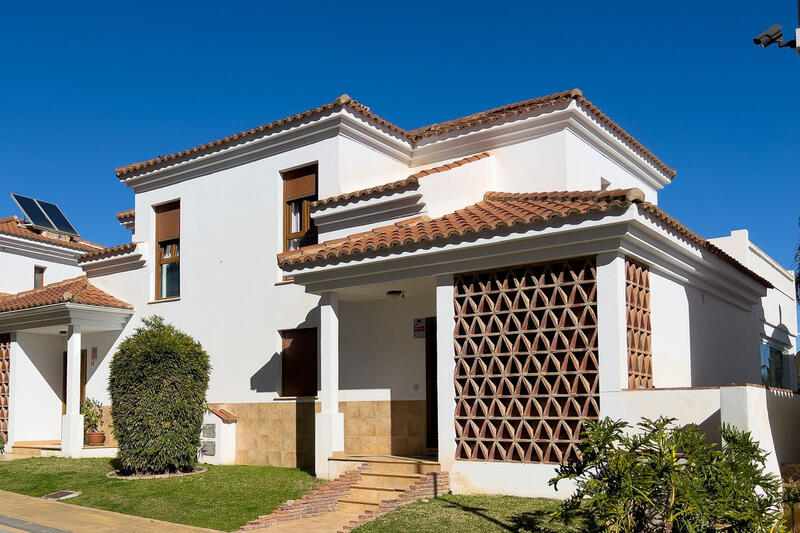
(370, 487)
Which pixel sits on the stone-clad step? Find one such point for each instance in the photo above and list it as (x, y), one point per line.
(378, 485)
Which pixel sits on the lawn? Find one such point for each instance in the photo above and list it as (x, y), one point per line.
(462, 514)
(225, 497)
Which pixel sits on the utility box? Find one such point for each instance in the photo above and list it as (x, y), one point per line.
(218, 437)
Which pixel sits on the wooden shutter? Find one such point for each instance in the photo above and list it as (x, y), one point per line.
(300, 186)
(168, 221)
(299, 375)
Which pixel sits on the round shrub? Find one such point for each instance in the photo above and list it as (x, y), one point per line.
(158, 383)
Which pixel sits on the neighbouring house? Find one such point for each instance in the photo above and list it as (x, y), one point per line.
(474, 291)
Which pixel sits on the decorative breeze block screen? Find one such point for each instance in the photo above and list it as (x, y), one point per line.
(640, 333)
(5, 381)
(526, 361)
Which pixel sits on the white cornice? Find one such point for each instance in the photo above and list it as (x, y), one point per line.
(628, 232)
(39, 250)
(319, 128)
(65, 314)
(112, 265)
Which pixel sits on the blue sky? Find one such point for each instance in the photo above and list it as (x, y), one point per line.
(86, 88)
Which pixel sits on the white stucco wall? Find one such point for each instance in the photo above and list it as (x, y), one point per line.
(17, 270)
(449, 191)
(671, 343)
(378, 357)
(586, 166)
(37, 368)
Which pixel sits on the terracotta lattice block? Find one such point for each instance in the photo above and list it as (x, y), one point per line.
(5, 382)
(526, 373)
(640, 333)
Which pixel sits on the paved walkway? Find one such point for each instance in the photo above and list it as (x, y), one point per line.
(35, 515)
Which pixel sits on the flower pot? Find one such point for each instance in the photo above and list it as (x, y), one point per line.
(95, 438)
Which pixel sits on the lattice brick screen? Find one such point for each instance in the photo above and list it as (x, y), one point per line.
(5, 381)
(526, 361)
(640, 333)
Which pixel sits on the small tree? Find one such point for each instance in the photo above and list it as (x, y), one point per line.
(667, 478)
(92, 411)
(159, 377)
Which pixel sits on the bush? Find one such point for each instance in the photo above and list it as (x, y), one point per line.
(667, 478)
(158, 383)
(2, 444)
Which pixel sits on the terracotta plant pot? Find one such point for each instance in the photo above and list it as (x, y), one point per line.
(95, 438)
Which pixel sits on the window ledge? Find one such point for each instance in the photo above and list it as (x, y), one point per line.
(295, 398)
(165, 300)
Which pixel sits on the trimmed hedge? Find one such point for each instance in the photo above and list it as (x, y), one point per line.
(159, 377)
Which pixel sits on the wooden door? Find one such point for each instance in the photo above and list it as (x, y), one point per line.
(431, 404)
(64, 382)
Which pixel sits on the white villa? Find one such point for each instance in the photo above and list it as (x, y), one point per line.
(470, 292)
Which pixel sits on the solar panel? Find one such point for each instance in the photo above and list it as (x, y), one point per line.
(57, 217)
(32, 211)
(44, 215)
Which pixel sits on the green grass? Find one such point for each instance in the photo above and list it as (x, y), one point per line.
(225, 497)
(467, 514)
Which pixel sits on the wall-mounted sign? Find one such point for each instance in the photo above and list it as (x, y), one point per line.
(94, 355)
(419, 328)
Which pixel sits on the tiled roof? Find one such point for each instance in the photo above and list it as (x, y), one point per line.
(126, 215)
(14, 226)
(75, 290)
(410, 182)
(111, 251)
(496, 212)
(543, 102)
(340, 103)
(412, 136)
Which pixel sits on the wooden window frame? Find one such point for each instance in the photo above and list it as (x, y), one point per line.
(38, 276)
(307, 228)
(161, 247)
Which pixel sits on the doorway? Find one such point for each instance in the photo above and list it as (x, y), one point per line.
(64, 382)
(431, 405)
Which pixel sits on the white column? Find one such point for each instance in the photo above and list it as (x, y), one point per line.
(72, 422)
(329, 422)
(445, 370)
(612, 326)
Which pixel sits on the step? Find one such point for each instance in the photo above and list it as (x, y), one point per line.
(348, 505)
(391, 480)
(375, 494)
(404, 467)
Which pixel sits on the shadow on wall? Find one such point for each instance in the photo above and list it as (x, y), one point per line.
(724, 341)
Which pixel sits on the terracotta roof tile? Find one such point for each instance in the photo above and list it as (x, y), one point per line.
(343, 101)
(111, 251)
(126, 215)
(76, 290)
(497, 211)
(412, 136)
(508, 111)
(15, 226)
(411, 182)
(226, 416)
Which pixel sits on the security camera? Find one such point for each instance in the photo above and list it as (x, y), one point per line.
(773, 35)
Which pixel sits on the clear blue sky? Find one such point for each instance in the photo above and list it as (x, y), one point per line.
(85, 89)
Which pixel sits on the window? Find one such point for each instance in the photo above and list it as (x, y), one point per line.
(299, 362)
(299, 190)
(38, 277)
(772, 371)
(168, 250)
